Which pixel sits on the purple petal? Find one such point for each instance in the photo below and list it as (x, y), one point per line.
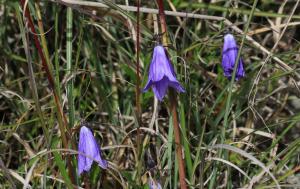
(102, 162)
(148, 85)
(81, 146)
(177, 86)
(89, 151)
(160, 88)
(161, 74)
(154, 185)
(159, 66)
(240, 70)
(81, 163)
(226, 64)
(230, 53)
(170, 73)
(229, 42)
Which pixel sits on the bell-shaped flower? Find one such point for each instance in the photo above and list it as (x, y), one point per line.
(161, 74)
(230, 53)
(89, 151)
(154, 184)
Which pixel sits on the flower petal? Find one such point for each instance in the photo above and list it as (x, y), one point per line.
(154, 185)
(240, 70)
(161, 74)
(148, 85)
(81, 162)
(102, 163)
(177, 86)
(159, 66)
(89, 151)
(160, 88)
(229, 56)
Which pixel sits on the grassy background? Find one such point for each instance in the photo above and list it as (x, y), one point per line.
(229, 142)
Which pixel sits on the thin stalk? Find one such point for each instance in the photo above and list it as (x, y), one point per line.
(228, 102)
(33, 86)
(56, 53)
(62, 120)
(178, 148)
(138, 48)
(69, 67)
(173, 105)
(162, 20)
(227, 4)
(25, 39)
(42, 36)
(137, 94)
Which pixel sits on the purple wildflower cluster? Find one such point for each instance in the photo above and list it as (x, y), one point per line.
(161, 77)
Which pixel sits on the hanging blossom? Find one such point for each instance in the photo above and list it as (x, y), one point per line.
(154, 184)
(89, 151)
(161, 74)
(230, 53)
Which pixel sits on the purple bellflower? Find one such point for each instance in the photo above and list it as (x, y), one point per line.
(230, 53)
(161, 74)
(154, 185)
(89, 151)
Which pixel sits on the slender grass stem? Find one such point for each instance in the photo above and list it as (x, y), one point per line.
(137, 94)
(70, 67)
(138, 49)
(61, 117)
(56, 53)
(228, 101)
(25, 39)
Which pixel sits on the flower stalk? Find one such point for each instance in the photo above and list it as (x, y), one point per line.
(173, 104)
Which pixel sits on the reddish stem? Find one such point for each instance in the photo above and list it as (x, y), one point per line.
(162, 20)
(64, 127)
(173, 109)
(173, 105)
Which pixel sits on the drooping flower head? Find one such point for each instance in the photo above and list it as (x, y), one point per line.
(161, 74)
(230, 53)
(154, 184)
(89, 151)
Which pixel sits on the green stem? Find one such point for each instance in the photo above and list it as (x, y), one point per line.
(228, 102)
(69, 67)
(56, 54)
(60, 116)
